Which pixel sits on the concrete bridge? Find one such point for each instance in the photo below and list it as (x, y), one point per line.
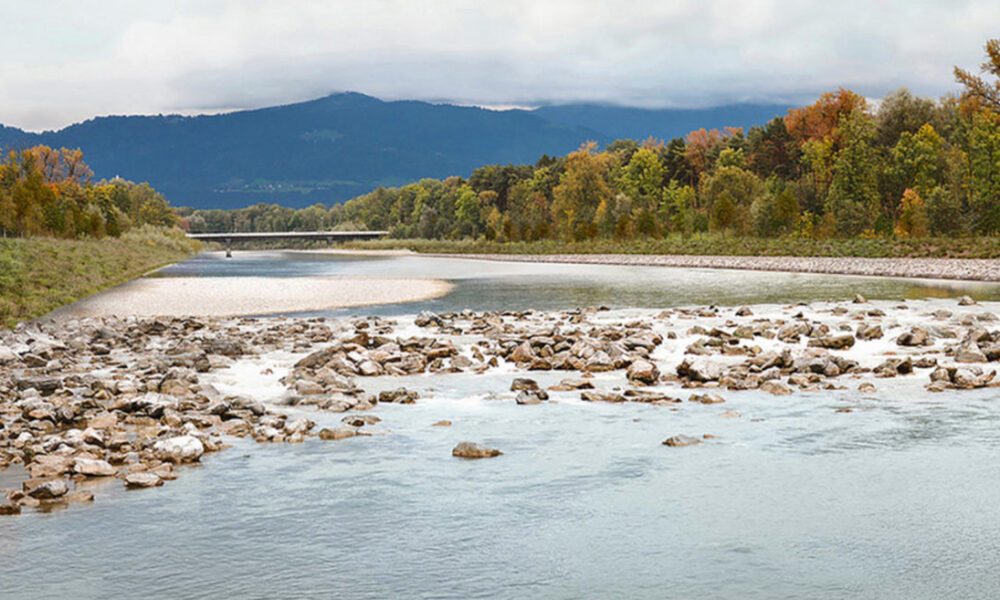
(328, 236)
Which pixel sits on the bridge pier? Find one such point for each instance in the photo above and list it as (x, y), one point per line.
(229, 247)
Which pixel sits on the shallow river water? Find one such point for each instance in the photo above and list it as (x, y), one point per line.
(898, 499)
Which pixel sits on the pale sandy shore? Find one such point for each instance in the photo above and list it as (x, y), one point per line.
(237, 296)
(922, 268)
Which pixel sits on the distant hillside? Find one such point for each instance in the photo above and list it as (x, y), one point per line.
(337, 147)
(637, 123)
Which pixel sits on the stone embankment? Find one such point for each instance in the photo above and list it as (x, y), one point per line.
(921, 268)
(134, 398)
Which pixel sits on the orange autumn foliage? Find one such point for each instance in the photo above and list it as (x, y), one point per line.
(819, 120)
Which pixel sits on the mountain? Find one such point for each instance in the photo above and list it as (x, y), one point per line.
(333, 148)
(619, 122)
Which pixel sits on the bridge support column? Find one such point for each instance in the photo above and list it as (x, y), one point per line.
(329, 241)
(229, 247)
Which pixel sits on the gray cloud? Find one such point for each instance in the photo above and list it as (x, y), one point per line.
(127, 57)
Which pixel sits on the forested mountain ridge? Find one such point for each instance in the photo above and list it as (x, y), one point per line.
(624, 122)
(340, 146)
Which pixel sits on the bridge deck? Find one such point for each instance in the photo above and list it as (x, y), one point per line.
(288, 235)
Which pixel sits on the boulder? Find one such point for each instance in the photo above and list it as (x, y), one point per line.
(870, 332)
(243, 403)
(523, 383)
(966, 301)
(970, 353)
(567, 385)
(699, 369)
(370, 368)
(398, 396)
(916, 336)
(43, 384)
(523, 353)
(338, 433)
(598, 396)
(529, 397)
(474, 450)
(50, 465)
(318, 358)
(154, 404)
(104, 420)
(679, 441)
(180, 449)
(308, 388)
(301, 425)
(79, 496)
(775, 387)
(969, 379)
(143, 479)
(643, 371)
(359, 420)
(599, 361)
(48, 489)
(426, 319)
(833, 342)
(707, 398)
(92, 467)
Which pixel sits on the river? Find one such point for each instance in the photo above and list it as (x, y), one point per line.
(897, 499)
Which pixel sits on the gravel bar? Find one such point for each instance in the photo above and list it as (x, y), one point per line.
(970, 269)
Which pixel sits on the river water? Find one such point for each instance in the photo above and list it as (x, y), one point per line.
(897, 499)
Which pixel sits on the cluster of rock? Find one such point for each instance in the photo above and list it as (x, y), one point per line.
(125, 398)
(133, 398)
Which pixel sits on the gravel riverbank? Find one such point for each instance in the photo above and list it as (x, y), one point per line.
(237, 296)
(920, 268)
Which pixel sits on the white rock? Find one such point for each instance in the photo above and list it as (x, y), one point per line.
(183, 448)
(93, 467)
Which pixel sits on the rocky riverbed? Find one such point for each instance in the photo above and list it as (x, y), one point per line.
(140, 399)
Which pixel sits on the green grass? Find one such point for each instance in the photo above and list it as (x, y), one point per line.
(713, 244)
(38, 275)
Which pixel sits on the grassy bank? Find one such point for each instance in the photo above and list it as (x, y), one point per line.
(38, 275)
(713, 244)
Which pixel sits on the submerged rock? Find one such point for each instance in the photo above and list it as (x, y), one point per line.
(679, 441)
(339, 433)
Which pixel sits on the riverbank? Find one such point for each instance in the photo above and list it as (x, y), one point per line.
(711, 244)
(966, 269)
(242, 296)
(39, 274)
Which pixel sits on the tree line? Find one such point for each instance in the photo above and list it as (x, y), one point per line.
(840, 167)
(46, 191)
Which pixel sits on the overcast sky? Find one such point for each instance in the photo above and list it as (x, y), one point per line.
(63, 61)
